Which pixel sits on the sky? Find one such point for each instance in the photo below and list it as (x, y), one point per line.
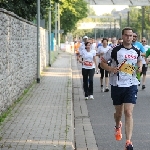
(101, 9)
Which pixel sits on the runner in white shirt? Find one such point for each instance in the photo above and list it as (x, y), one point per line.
(114, 42)
(102, 50)
(144, 68)
(124, 83)
(88, 69)
(93, 45)
(82, 47)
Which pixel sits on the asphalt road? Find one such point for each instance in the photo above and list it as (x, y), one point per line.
(101, 113)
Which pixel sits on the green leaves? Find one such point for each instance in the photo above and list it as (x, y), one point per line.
(71, 11)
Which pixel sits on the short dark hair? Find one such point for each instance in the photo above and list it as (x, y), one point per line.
(126, 28)
(86, 44)
(104, 40)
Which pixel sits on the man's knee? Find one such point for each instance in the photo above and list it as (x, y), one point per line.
(118, 114)
(128, 113)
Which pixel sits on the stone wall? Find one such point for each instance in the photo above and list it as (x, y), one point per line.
(18, 56)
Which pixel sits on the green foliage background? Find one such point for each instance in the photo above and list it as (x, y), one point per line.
(71, 11)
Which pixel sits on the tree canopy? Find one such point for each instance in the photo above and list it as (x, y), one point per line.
(71, 11)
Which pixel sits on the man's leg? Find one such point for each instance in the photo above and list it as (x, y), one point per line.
(143, 79)
(118, 114)
(101, 78)
(144, 70)
(128, 111)
(91, 75)
(85, 78)
(106, 81)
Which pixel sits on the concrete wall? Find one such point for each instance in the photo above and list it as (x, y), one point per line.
(18, 56)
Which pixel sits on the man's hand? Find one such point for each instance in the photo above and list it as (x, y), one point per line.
(101, 54)
(80, 61)
(113, 69)
(103, 60)
(147, 61)
(143, 54)
(139, 69)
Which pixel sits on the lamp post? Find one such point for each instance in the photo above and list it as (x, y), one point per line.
(56, 29)
(49, 18)
(128, 18)
(38, 41)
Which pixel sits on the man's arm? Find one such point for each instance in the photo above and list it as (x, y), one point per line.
(147, 52)
(139, 64)
(142, 48)
(94, 59)
(105, 66)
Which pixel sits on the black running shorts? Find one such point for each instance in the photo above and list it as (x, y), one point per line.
(144, 69)
(122, 95)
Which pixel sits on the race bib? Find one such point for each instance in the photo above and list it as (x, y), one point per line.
(89, 64)
(127, 68)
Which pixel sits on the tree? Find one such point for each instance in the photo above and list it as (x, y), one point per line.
(26, 9)
(71, 11)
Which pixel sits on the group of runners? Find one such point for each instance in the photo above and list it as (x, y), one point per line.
(121, 62)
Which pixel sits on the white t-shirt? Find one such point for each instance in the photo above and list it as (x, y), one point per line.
(146, 47)
(102, 50)
(126, 61)
(82, 47)
(93, 46)
(88, 59)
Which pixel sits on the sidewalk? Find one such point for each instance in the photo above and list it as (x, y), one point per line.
(43, 120)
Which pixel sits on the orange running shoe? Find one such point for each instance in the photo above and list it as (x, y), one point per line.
(118, 134)
(128, 145)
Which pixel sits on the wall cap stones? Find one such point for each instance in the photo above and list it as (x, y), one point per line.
(15, 16)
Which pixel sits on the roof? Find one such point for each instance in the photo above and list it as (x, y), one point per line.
(120, 2)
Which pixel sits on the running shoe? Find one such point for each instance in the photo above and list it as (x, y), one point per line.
(118, 134)
(143, 87)
(91, 97)
(86, 98)
(129, 145)
(139, 83)
(102, 89)
(106, 90)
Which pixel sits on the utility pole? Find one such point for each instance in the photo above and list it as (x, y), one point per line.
(120, 22)
(58, 11)
(128, 19)
(95, 33)
(38, 41)
(143, 19)
(114, 27)
(110, 30)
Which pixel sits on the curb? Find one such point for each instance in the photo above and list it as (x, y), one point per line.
(83, 133)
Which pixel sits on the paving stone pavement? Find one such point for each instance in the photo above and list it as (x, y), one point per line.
(84, 136)
(43, 119)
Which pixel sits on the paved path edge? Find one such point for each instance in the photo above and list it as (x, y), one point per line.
(83, 132)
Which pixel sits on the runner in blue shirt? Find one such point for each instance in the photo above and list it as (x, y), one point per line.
(137, 44)
(140, 47)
